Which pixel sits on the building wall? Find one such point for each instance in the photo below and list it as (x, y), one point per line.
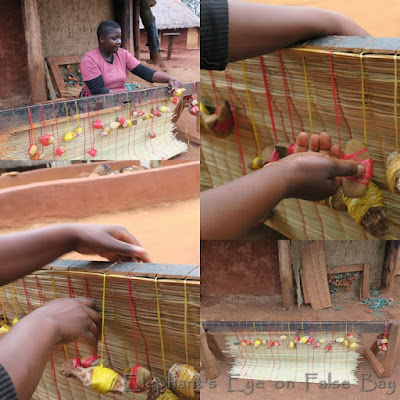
(240, 268)
(14, 88)
(342, 252)
(69, 28)
(180, 42)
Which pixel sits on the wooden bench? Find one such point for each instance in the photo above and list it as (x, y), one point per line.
(171, 36)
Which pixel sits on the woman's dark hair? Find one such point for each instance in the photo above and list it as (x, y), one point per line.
(106, 27)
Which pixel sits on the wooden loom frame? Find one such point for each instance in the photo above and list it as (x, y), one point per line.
(382, 369)
(187, 276)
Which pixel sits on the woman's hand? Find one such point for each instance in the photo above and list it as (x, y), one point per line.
(315, 176)
(72, 320)
(109, 241)
(174, 83)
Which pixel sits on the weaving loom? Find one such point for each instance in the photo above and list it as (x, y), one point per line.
(346, 86)
(130, 125)
(286, 351)
(151, 318)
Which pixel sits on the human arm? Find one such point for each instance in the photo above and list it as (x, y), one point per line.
(230, 210)
(236, 30)
(23, 253)
(276, 27)
(25, 349)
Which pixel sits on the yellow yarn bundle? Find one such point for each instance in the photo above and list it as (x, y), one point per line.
(186, 381)
(103, 380)
(358, 207)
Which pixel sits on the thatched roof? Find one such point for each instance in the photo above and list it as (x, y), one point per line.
(173, 14)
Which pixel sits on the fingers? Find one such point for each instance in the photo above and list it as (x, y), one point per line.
(325, 143)
(314, 143)
(347, 168)
(90, 340)
(129, 250)
(85, 302)
(335, 151)
(301, 143)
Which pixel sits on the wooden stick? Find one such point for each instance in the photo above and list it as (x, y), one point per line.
(390, 264)
(33, 39)
(208, 360)
(286, 273)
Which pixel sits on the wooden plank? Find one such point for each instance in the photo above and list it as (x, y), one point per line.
(286, 273)
(314, 270)
(354, 44)
(208, 360)
(304, 287)
(364, 292)
(33, 39)
(327, 326)
(17, 119)
(125, 11)
(392, 256)
(136, 28)
(58, 79)
(345, 268)
(393, 350)
(214, 347)
(375, 363)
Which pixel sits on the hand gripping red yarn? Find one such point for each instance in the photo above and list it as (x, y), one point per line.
(368, 164)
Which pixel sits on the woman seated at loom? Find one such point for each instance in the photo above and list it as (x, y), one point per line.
(25, 349)
(104, 68)
(235, 30)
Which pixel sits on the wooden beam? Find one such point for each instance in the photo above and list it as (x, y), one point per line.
(286, 273)
(125, 19)
(136, 28)
(390, 264)
(208, 360)
(366, 276)
(17, 119)
(33, 39)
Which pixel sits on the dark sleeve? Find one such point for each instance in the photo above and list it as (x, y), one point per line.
(214, 30)
(96, 86)
(144, 72)
(7, 389)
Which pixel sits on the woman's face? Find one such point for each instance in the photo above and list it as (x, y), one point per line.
(112, 42)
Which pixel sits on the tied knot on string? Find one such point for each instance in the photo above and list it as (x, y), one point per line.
(368, 164)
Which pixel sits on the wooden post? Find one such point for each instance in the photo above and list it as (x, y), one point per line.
(125, 19)
(208, 360)
(33, 39)
(136, 28)
(366, 276)
(286, 273)
(390, 264)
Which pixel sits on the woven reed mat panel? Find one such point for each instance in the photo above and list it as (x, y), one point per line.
(152, 135)
(303, 84)
(281, 364)
(314, 272)
(123, 330)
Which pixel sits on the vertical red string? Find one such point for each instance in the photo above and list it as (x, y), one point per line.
(55, 118)
(71, 295)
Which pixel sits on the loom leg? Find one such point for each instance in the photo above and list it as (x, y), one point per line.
(208, 360)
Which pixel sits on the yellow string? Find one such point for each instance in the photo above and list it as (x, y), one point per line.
(185, 327)
(358, 207)
(251, 109)
(186, 381)
(363, 100)
(13, 299)
(307, 94)
(395, 103)
(77, 112)
(129, 110)
(3, 308)
(288, 325)
(160, 327)
(168, 395)
(102, 319)
(66, 112)
(103, 379)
